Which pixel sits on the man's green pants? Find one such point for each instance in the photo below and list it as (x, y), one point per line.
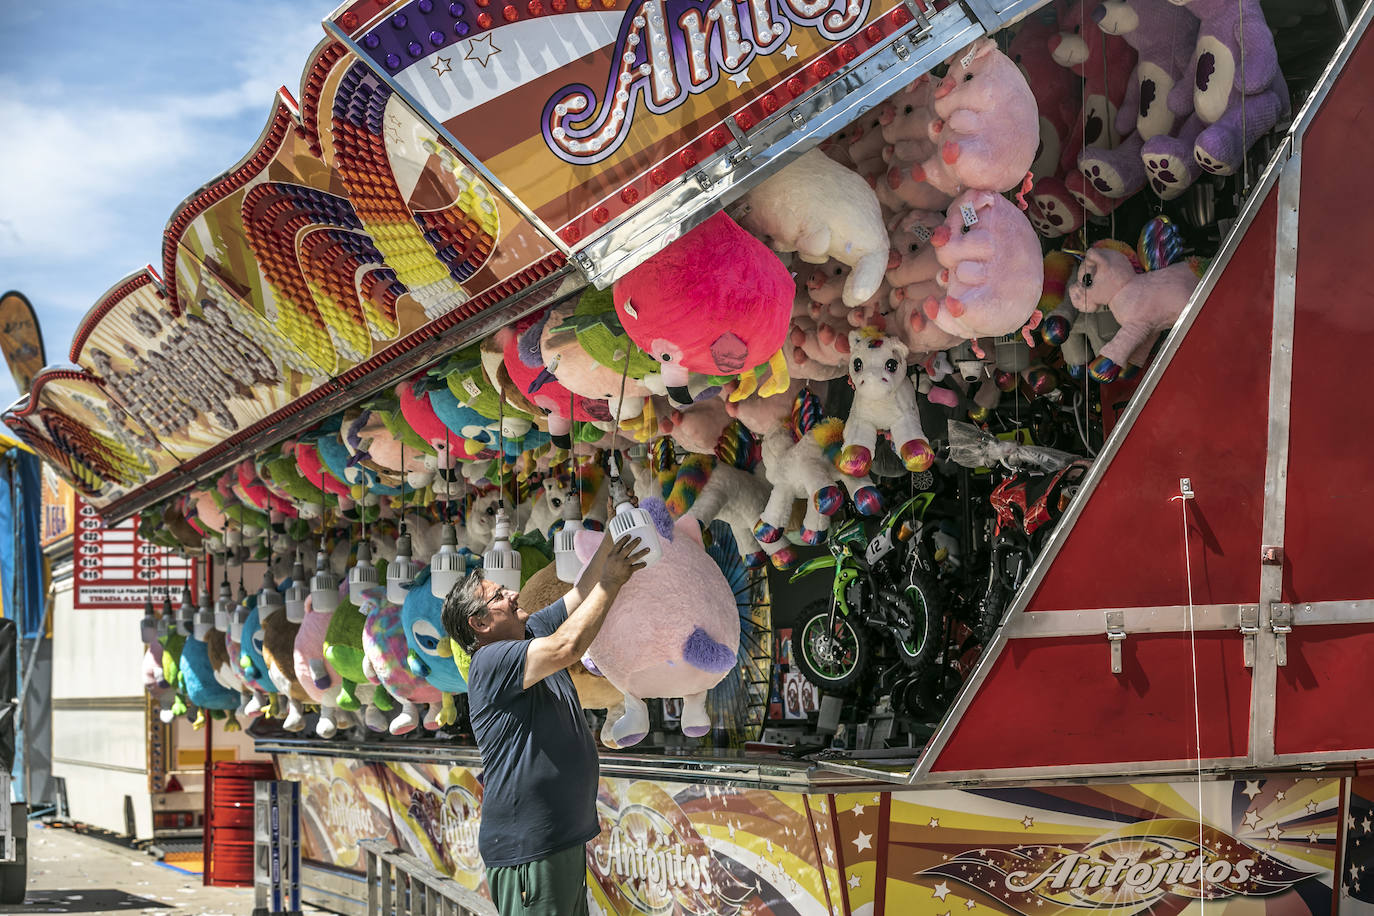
(552, 886)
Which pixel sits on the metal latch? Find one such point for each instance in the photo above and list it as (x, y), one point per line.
(1281, 622)
(742, 144)
(584, 262)
(1249, 629)
(1116, 635)
(704, 180)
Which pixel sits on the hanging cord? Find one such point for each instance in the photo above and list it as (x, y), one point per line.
(1244, 130)
(501, 452)
(1182, 500)
(572, 452)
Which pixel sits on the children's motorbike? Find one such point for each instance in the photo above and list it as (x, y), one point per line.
(878, 601)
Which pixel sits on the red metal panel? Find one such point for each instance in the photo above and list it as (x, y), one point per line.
(1321, 702)
(1206, 419)
(1054, 702)
(1330, 487)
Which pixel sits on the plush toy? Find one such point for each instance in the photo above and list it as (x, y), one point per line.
(906, 120)
(708, 488)
(799, 450)
(986, 125)
(673, 630)
(912, 272)
(820, 210)
(1145, 304)
(432, 655)
(343, 649)
(313, 672)
(1078, 335)
(254, 665)
(992, 270)
(1056, 95)
(593, 690)
(277, 649)
(884, 399)
(385, 660)
(369, 436)
(1238, 95)
(1162, 34)
(200, 682)
(562, 497)
(587, 350)
(524, 362)
(223, 655)
(716, 301)
(1053, 210)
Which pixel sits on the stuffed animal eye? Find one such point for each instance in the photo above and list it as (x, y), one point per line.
(965, 230)
(426, 637)
(1087, 280)
(910, 108)
(858, 365)
(556, 502)
(664, 358)
(491, 510)
(967, 77)
(891, 365)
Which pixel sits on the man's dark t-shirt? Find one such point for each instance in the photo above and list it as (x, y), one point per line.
(539, 760)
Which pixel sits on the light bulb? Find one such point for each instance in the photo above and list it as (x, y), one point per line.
(186, 614)
(224, 607)
(447, 565)
(236, 625)
(401, 572)
(629, 520)
(324, 587)
(205, 617)
(362, 576)
(565, 553)
(269, 599)
(148, 625)
(500, 563)
(297, 593)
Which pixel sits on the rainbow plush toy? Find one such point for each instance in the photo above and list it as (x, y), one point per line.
(385, 662)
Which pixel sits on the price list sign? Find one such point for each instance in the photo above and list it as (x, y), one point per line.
(116, 568)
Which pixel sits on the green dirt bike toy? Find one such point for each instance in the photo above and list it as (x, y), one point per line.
(877, 592)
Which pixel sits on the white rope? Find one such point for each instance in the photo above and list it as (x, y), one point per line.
(1197, 714)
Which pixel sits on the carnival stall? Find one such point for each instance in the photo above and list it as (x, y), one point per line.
(884, 324)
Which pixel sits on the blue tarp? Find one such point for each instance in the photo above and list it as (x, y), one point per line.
(21, 472)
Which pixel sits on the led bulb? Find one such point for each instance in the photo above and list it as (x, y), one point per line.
(269, 599)
(500, 563)
(205, 617)
(362, 576)
(401, 572)
(236, 625)
(565, 553)
(186, 614)
(447, 566)
(324, 587)
(297, 593)
(148, 625)
(224, 607)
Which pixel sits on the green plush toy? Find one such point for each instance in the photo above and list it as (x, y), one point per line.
(343, 649)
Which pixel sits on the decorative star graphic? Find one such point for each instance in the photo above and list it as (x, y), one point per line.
(853, 880)
(859, 809)
(1251, 820)
(1251, 789)
(830, 856)
(1274, 832)
(941, 891)
(969, 904)
(1350, 822)
(1311, 807)
(789, 52)
(1365, 824)
(1280, 795)
(769, 845)
(393, 129)
(441, 65)
(861, 842)
(740, 78)
(934, 822)
(877, 798)
(481, 50)
(1312, 836)
(1028, 822)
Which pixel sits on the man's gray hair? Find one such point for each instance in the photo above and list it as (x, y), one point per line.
(463, 601)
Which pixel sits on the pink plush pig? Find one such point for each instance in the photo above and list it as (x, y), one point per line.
(987, 128)
(821, 210)
(673, 630)
(992, 270)
(1145, 304)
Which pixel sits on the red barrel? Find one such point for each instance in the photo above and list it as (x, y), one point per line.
(229, 833)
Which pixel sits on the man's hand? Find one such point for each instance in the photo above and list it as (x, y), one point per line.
(620, 562)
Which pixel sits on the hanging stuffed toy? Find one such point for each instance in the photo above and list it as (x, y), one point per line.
(717, 302)
(343, 648)
(314, 673)
(1145, 304)
(884, 399)
(1078, 335)
(524, 362)
(673, 630)
(431, 655)
(277, 649)
(385, 662)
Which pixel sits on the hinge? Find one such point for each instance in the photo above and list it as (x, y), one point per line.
(900, 49)
(1281, 622)
(1116, 635)
(704, 180)
(742, 144)
(1249, 629)
(583, 261)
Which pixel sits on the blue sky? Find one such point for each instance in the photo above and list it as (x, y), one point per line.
(115, 112)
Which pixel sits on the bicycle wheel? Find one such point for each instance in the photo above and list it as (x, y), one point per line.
(920, 605)
(832, 658)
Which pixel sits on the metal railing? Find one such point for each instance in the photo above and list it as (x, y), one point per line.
(401, 884)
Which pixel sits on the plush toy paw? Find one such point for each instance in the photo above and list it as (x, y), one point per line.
(1040, 381)
(374, 719)
(854, 460)
(1170, 167)
(1103, 369)
(828, 500)
(917, 455)
(868, 501)
(783, 559)
(765, 533)
(1076, 372)
(1128, 373)
(812, 536)
(755, 560)
(1055, 330)
(1218, 150)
